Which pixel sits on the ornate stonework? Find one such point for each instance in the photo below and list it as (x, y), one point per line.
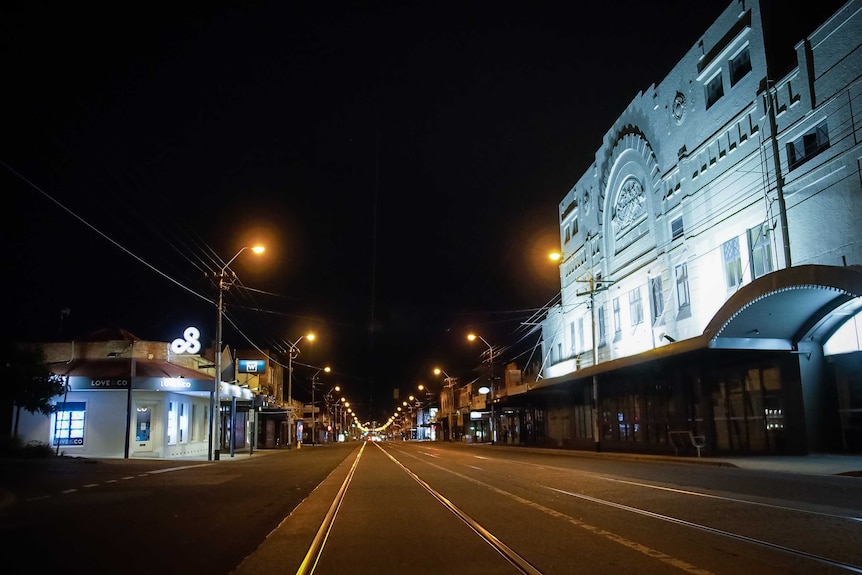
(630, 204)
(677, 108)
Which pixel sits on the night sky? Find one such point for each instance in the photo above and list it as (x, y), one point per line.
(402, 162)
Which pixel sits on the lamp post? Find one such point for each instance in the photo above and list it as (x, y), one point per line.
(450, 407)
(332, 406)
(313, 414)
(292, 352)
(224, 283)
(595, 407)
(592, 289)
(473, 337)
(343, 405)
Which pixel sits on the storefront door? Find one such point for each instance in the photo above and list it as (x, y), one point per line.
(143, 427)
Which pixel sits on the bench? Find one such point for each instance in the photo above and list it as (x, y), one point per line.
(686, 440)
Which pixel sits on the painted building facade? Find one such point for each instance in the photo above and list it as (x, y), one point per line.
(129, 398)
(712, 253)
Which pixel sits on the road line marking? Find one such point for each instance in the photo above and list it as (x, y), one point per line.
(731, 499)
(504, 550)
(633, 545)
(728, 534)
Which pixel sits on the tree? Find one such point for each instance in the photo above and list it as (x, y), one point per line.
(26, 381)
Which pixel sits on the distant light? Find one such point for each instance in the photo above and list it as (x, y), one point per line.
(484, 389)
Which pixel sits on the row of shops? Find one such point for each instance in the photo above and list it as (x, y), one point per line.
(128, 398)
(777, 371)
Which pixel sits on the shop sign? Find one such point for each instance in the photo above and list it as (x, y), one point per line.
(173, 384)
(190, 342)
(251, 365)
(79, 383)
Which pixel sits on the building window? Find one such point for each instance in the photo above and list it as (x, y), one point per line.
(573, 344)
(676, 229)
(808, 145)
(761, 250)
(714, 90)
(172, 423)
(69, 420)
(683, 297)
(600, 318)
(732, 263)
(740, 65)
(184, 423)
(656, 298)
(581, 334)
(636, 307)
(618, 322)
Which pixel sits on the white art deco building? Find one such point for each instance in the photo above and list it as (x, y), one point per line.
(711, 278)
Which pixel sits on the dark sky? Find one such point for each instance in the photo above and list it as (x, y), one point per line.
(402, 161)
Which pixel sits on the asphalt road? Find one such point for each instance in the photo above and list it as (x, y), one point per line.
(425, 508)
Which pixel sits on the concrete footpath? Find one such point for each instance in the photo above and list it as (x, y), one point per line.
(815, 464)
(819, 464)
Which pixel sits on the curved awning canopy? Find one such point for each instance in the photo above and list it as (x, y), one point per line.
(781, 309)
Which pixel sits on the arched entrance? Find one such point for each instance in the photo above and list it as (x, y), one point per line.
(797, 310)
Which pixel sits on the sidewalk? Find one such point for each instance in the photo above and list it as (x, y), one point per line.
(815, 464)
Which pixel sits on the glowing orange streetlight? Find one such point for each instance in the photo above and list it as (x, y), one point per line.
(223, 285)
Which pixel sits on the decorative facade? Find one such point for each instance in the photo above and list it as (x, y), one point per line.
(717, 182)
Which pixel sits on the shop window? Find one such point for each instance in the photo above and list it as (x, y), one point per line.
(183, 428)
(714, 90)
(807, 145)
(732, 263)
(740, 65)
(172, 422)
(761, 250)
(636, 307)
(69, 419)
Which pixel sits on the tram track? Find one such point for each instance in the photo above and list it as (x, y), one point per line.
(411, 508)
(318, 546)
(796, 554)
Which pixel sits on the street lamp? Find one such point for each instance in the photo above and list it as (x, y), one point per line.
(474, 337)
(292, 352)
(224, 283)
(603, 285)
(450, 382)
(332, 404)
(313, 414)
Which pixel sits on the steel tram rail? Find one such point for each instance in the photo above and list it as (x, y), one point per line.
(315, 551)
(800, 554)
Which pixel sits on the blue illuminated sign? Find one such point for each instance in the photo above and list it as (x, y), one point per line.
(252, 365)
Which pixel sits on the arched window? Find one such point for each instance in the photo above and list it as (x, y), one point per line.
(848, 338)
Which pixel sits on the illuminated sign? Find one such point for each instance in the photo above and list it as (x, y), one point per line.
(175, 383)
(82, 382)
(252, 365)
(190, 343)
